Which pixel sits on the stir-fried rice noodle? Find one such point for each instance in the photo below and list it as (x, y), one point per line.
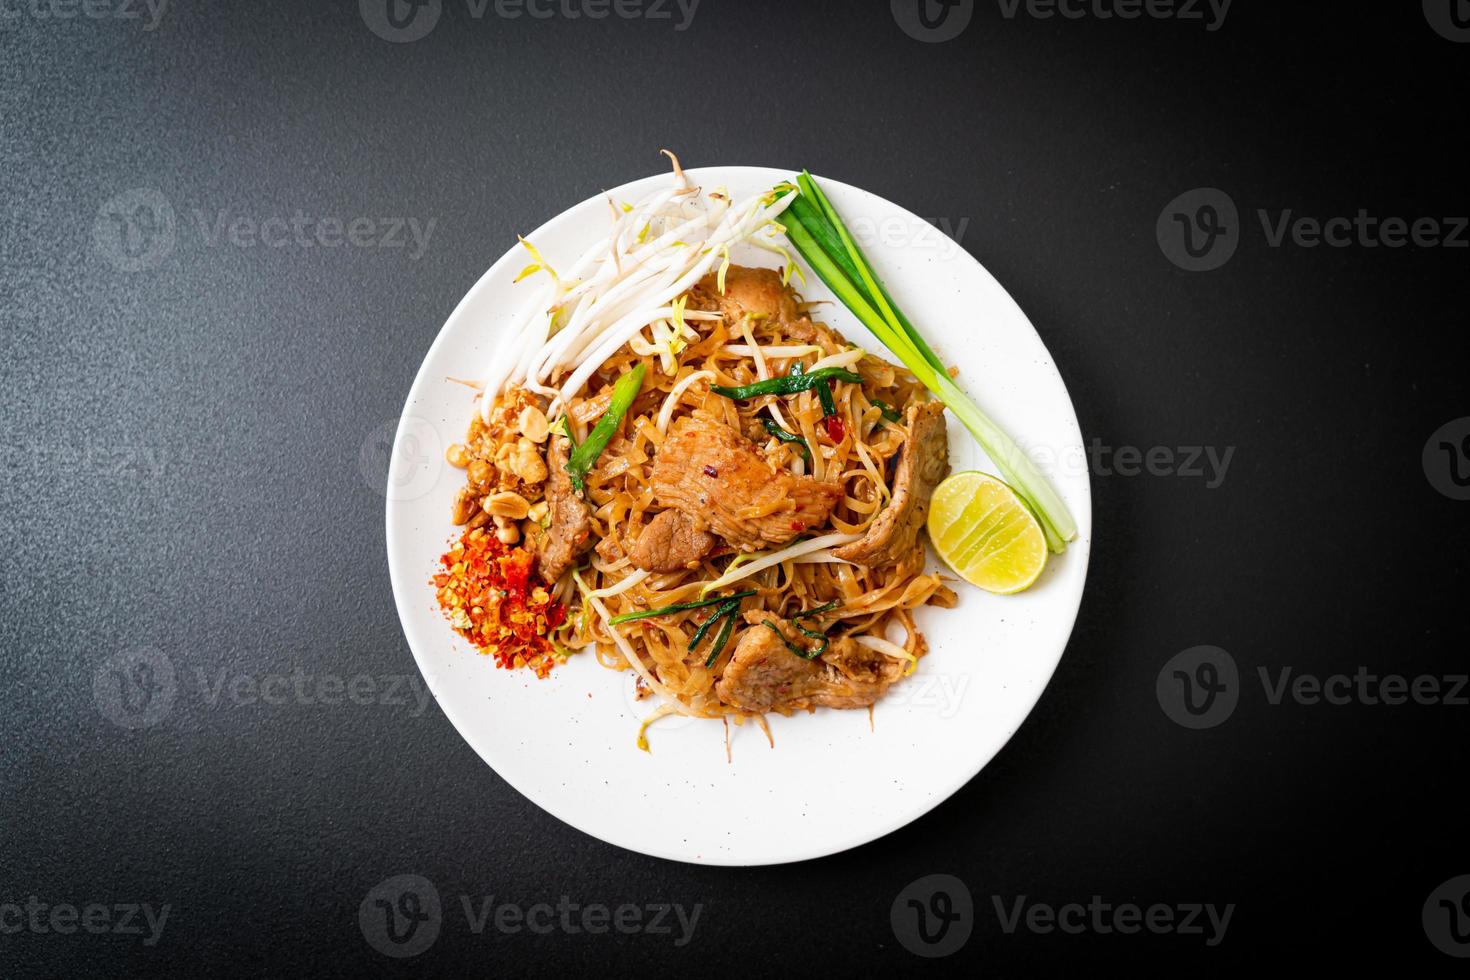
(643, 296)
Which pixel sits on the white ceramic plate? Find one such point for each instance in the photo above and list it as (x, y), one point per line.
(832, 782)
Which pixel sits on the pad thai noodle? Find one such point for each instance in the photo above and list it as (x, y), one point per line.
(715, 490)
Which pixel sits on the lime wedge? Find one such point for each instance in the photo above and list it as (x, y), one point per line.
(983, 531)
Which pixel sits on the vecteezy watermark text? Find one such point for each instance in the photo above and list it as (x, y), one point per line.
(1211, 13)
(299, 687)
(1199, 688)
(933, 916)
(150, 12)
(1200, 230)
(936, 21)
(1208, 464)
(1103, 918)
(404, 21)
(403, 915)
(94, 918)
(302, 230)
(139, 228)
(138, 688)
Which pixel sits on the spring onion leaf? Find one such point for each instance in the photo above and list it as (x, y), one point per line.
(585, 456)
(724, 609)
(818, 610)
(677, 607)
(890, 414)
(803, 654)
(721, 639)
(795, 440)
(789, 385)
(820, 237)
(829, 404)
(821, 647)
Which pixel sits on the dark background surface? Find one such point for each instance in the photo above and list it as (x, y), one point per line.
(185, 468)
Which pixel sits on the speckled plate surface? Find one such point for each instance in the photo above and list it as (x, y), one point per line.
(833, 780)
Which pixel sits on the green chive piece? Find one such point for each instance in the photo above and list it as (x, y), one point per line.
(784, 436)
(789, 385)
(890, 414)
(829, 404)
(722, 639)
(585, 456)
(819, 236)
(722, 611)
(803, 654)
(818, 610)
(677, 608)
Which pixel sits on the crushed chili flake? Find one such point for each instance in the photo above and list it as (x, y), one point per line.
(835, 429)
(487, 594)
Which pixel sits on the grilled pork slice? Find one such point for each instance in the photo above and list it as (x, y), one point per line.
(749, 291)
(760, 292)
(764, 675)
(894, 533)
(715, 477)
(570, 533)
(672, 541)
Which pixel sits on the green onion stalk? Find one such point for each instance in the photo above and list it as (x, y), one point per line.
(818, 234)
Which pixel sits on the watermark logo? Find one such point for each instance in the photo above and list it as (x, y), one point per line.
(1211, 13)
(135, 688)
(933, 21)
(1446, 459)
(1199, 230)
(401, 916)
(65, 919)
(1449, 18)
(933, 916)
(400, 21)
(1446, 917)
(941, 235)
(402, 461)
(1103, 918)
(1199, 688)
(136, 230)
(118, 10)
(312, 690)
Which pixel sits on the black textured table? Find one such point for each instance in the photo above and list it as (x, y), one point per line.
(230, 232)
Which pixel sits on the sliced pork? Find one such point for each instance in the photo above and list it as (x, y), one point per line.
(764, 675)
(671, 542)
(894, 533)
(717, 478)
(570, 533)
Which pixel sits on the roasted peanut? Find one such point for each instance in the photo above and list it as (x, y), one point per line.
(506, 530)
(481, 472)
(464, 505)
(507, 503)
(532, 424)
(456, 455)
(526, 462)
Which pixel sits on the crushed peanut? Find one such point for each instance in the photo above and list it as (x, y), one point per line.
(532, 424)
